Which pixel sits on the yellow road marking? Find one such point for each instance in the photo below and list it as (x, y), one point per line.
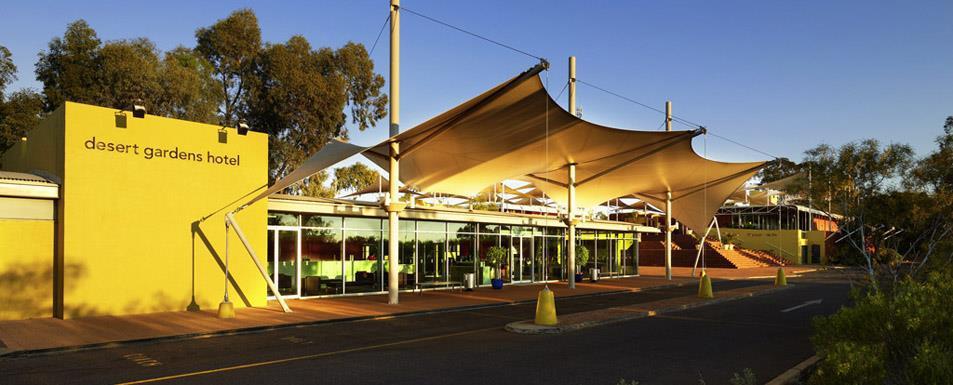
(305, 357)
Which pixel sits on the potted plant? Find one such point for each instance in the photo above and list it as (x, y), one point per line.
(728, 241)
(582, 258)
(495, 257)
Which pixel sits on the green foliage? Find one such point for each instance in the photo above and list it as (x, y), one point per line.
(128, 70)
(299, 93)
(899, 336)
(189, 91)
(68, 69)
(19, 112)
(779, 169)
(729, 238)
(77, 67)
(354, 177)
(746, 377)
(231, 46)
(314, 186)
(496, 256)
(8, 70)
(934, 174)
(582, 255)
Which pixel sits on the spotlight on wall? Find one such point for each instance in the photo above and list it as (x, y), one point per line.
(23, 139)
(242, 128)
(121, 119)
(138, 111)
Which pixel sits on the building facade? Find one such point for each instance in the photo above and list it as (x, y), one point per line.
(131, 220)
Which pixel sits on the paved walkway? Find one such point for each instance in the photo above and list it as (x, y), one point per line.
(52, 334)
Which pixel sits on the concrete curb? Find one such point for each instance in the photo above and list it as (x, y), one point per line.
(10, 353)
(619, 314)
(793, 374)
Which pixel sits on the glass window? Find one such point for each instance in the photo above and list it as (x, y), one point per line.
(461, 254)
(321, 265)
(457, 227)
(287, 280)
(431, 257)
(362, 260)
(431, 226)
(271, 256)
(362, 223)
(489, 229)
(406, 252)
(484, 270)
(282, 219)
(555, 252)
(315, 220)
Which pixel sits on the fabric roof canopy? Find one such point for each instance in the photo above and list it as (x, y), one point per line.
(516, 131)
(754, 196)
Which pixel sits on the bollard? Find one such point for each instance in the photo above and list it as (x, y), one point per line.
(780, 280)
(226, 310)
(545, 308)
(704, 286)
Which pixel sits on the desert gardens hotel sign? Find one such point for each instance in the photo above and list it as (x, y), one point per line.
(175, 153)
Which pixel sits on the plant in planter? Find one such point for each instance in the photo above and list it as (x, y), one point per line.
(495, 257)
(582, 258)
(728, 240)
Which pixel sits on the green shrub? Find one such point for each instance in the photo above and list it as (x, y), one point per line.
(496, 256)
(903, 335)
(746, 377)
(729, 238)
(582, 256)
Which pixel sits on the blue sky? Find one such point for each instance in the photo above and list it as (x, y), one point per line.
(781, 76)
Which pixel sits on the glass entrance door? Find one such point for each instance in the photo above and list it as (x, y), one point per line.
(283, 260)
(540, 256)
(527, 258)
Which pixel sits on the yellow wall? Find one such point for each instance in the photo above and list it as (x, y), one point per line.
(790, 242)
(26, 268)
(816, 238)
(131, 241)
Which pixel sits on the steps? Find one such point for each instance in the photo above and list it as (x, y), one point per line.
(652, 253)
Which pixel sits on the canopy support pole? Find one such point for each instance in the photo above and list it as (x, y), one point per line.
(668, 204)
(571, 188)
(230, 220)
(571, 222)
(393, 209)
(701, 243)
(668, 235)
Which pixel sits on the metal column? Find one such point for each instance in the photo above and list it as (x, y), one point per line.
(393, 241)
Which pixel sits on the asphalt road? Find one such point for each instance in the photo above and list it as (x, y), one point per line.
(471, 347)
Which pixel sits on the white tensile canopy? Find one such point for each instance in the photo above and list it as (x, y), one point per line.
(516, 131)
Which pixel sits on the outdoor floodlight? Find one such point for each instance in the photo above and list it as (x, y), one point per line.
(138, 111)
(242, 128)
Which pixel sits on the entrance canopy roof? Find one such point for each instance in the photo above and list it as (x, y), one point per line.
(516, 131)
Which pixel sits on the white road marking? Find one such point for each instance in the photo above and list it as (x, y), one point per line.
(806, 304)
